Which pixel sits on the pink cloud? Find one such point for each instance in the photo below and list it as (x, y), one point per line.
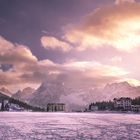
(53, 43)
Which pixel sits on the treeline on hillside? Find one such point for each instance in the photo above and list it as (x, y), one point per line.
(136, 101)
(25, 105)
(104, 105)
(4, 97)
(18, 102)
(109, 105)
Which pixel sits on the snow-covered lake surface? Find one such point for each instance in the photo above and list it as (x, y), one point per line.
(69, 126)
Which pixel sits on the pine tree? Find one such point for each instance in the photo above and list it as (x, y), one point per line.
(2, 106)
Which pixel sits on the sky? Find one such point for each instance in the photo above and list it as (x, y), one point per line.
(76, 42)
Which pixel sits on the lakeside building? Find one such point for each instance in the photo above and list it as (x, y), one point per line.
(55, 107)
(122, 103)
(135, 108)
(93, 108)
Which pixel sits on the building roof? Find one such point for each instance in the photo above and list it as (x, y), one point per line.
(122, 98)
(55, 104)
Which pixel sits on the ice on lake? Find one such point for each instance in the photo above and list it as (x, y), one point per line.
(68, 126)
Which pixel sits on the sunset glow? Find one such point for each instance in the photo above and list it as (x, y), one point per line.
(101, 42)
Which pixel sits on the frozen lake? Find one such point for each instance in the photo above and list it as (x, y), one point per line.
(69, 126)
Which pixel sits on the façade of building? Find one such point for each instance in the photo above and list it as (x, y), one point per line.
(93, 107)
(55, 107)
(123, 103)
(135, 108)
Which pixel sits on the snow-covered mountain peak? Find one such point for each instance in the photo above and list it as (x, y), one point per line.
(24, 95)
(118, 86)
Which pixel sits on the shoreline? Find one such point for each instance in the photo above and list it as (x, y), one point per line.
(95, 112)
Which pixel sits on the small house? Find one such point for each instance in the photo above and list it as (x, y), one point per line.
(93, 108)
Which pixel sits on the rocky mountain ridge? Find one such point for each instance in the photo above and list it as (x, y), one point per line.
(76, 98)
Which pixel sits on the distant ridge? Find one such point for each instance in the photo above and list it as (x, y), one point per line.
(75, 97)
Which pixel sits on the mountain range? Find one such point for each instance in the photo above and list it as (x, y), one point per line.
(24, 95)
(74, 98)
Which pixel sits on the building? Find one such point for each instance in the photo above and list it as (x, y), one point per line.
(135, 108)
(93, 108)
(122, 103)
(55, 107)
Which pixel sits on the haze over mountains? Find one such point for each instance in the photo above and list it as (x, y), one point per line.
(24, 94)
(5, 91)
(74, 98)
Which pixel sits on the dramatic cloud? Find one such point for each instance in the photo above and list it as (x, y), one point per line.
(14, 53)
(91, 68)
(13, 58)
(132, 81)
(117, 26)
(82, 74)
(27, 70)
(49, 42)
